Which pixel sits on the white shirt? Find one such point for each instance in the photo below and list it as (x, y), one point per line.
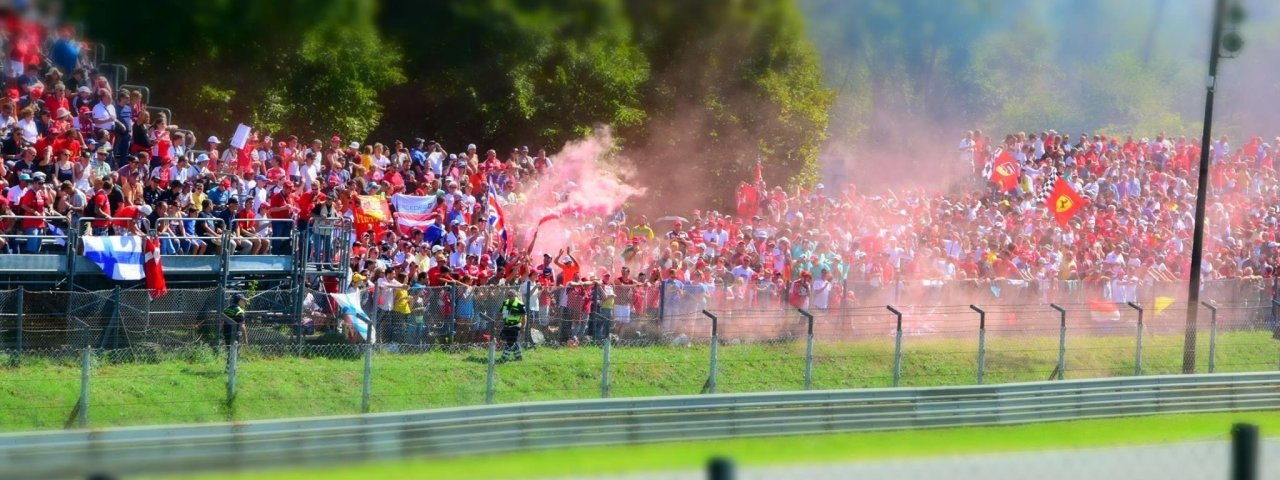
(435, 162)
(104, 116)
(15, 195)
(29, 132)
(821, 294)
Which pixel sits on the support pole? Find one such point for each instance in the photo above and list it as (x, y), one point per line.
(83, 415)
(1137, 351)
(17, 356)
(604, 370)
(1202, 192)
(1062, 340)
(808, 352)
(715, 351)
(233, 359)
(1244, 452)
(1213, 333)
(897, 347)
(982, 342)
(367, 386)
(489, 374)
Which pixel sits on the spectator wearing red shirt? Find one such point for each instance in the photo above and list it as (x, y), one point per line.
(246, 228)
(283, 209)
(35, 203)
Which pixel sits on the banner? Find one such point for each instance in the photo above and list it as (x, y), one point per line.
(1004, 171)
(241, 137)
(407, 222)
(413, 204)
(1063, 201)
(120, 257)
(353, 317)
(371, 209)
(156, 285)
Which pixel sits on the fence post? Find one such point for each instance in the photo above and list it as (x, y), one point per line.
(1062, 340)
(233, 359)
(368, 376)
(1137, 351)
(982, 342)
(662, 304)
(604, 371)
(83, 414)
(715, 351)
(1275, 326)
(808, 351)
(488, 381)
(1213, 333)
(897, 347)
(17, 359)
(1244, 451)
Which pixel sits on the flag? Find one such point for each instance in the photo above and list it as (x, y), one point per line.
(413, 203)
(154, 271)
(1004, 171)
(1064, 202)
(120, 257)
(1162, 303)
(350, 312)
(497, 219)
(759, 173)
(406, 222)
(1102, 311)
(373, 208)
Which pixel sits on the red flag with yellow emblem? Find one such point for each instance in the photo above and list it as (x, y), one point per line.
(1004, 171)
(1064, 202)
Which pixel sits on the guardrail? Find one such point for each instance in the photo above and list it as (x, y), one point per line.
(471, 430)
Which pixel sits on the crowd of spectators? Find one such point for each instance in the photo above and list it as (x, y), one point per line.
(83, 150)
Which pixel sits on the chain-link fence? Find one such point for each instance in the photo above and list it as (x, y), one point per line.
(167, 360)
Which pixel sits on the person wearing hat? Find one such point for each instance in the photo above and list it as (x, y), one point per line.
(233, 327)
(35, 202)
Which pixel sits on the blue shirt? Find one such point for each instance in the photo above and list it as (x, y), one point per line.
(218, 196)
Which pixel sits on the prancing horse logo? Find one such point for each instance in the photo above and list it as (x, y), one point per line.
(1005, 169)
(1064, 203)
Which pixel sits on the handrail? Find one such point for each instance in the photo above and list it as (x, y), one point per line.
(117, 68)
(559, 424)
(146, 91)
(154, 231)
(168, 114)
(113, 222)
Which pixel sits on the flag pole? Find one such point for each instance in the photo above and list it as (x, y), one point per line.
(1202, 188)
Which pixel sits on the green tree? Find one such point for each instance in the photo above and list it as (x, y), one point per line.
(734, 82)
(296, 65)
(507, 72)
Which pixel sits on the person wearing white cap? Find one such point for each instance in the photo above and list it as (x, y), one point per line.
(213, 140)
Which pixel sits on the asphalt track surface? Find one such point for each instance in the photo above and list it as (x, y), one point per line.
(1178, 461)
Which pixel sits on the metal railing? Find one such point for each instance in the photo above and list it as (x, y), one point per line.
(16, 241)
(548, 425)
(146, 91)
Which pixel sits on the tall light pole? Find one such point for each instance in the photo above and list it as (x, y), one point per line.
(1228, 42)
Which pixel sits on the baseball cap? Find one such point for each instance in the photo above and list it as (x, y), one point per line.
(335, 139)
(213, 139)
(24, 177)
(352, 145)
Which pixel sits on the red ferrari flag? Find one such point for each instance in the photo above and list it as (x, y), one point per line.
(1064, 201)
(1004, 171)
(152, 268)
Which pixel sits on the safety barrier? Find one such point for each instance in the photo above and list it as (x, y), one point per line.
(544, 425)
